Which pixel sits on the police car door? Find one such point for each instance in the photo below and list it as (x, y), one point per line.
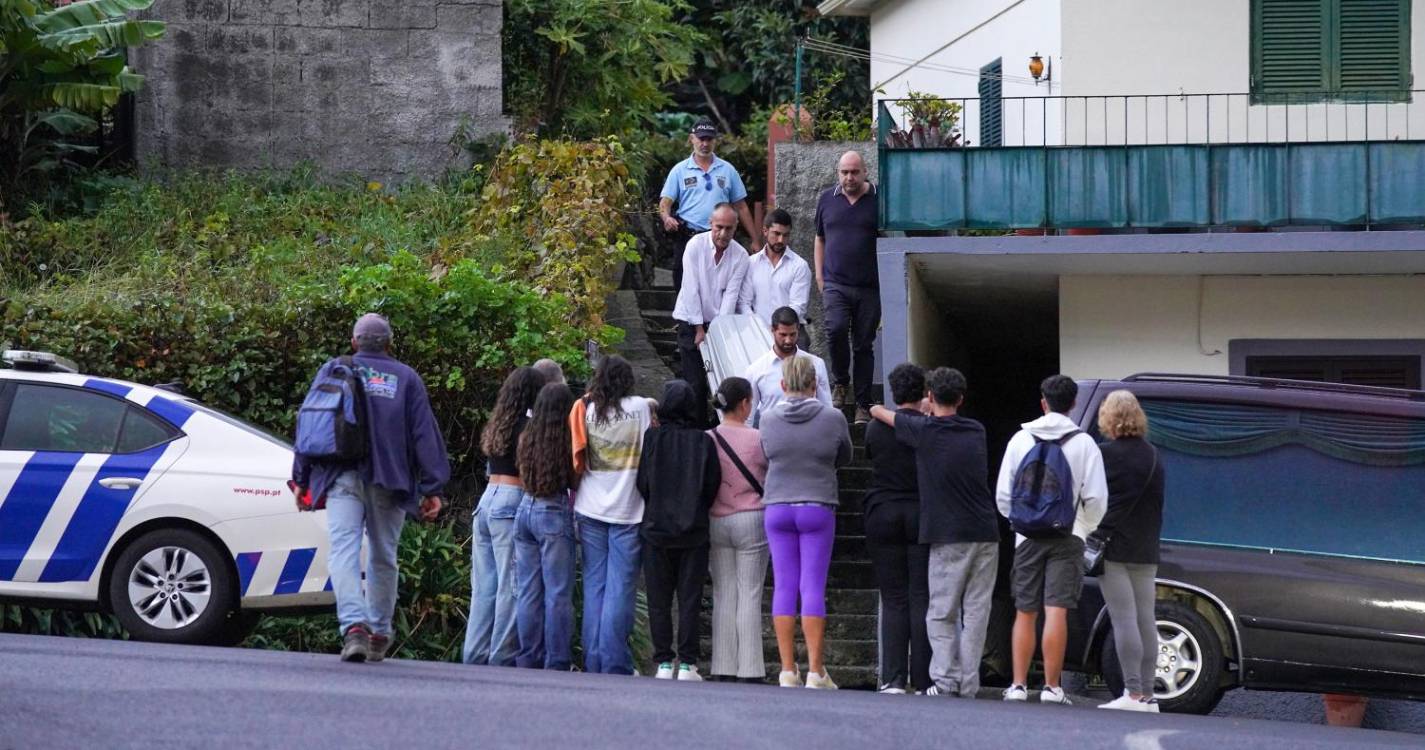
(72, 462)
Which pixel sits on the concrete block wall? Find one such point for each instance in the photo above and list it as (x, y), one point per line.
(369, 87)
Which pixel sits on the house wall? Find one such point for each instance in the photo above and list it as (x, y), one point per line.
(912, 29)
(1112, 326)
(1131, 47)
(375, 88)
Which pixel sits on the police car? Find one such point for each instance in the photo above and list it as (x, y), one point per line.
(143, 502)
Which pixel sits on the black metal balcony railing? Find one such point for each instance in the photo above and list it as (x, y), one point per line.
(1178, 160)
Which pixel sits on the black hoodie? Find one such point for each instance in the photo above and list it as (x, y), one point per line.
(678, 474)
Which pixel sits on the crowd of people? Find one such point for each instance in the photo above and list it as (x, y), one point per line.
(614, 485)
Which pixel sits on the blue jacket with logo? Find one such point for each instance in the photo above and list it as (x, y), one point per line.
(407, 452)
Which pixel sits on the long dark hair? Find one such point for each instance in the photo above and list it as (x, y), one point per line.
(516, 397)
(613, 381)
(546, 451)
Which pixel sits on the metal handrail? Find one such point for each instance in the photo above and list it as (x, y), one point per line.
(1283, 383)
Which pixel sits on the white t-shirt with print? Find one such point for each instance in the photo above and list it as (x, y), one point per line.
(608, 491)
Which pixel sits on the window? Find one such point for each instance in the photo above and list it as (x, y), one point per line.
(1266, 477)
(991, 104)
(52, 418)
(1311, 50)
(1386, 371)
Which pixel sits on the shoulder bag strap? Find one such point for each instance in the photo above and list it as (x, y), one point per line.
(741, 467)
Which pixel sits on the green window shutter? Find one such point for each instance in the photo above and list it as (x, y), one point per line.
(1290, 47)
(1374, 46)
(991, 104)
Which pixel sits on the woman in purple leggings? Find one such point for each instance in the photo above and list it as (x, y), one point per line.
(805, 441)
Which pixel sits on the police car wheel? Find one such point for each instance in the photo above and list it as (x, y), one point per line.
(172, 586)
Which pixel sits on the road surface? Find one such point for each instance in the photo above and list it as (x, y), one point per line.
(68, 692)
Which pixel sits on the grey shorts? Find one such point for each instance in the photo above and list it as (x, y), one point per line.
(1048, 572)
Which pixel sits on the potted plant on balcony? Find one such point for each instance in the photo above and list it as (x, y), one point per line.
(933, 122)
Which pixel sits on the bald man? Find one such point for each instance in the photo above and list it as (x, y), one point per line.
(845, 255)
(713, 268)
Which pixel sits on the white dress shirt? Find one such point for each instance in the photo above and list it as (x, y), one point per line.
(765, 375)
(767, 287)
(709, 288)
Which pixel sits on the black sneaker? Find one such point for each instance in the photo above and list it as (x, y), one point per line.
(379, 645)
(356, 643)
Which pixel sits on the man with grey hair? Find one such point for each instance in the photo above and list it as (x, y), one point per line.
(404, 473)
(551, 371)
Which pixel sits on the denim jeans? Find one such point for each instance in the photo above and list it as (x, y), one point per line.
(354, 509)
(611, 563)
(490, 636)
(544, 564)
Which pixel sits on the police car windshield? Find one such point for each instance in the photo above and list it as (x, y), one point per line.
(238, 423)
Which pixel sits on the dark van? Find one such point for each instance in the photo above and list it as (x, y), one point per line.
(1293, 551)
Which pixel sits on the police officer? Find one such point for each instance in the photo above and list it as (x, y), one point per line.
(695, 185)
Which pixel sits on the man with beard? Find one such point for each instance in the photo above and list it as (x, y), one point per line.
(696, 185)
(777, 277)
(765, 372)
(715, 266)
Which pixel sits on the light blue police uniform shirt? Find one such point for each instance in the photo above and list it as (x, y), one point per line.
(687, 186)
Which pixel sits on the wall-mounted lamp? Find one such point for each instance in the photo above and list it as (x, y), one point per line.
(1037, 70)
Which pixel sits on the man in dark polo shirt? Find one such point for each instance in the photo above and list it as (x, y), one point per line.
(845, 254)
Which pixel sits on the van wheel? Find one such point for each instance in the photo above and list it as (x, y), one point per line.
(1189, 663)
(173, 586)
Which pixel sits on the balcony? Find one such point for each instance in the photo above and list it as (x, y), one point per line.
(1164, 161)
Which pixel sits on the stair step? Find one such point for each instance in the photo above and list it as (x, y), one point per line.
(839, 602)
(657, 298)
(659, 319)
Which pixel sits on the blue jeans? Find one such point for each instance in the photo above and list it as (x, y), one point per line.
(611, 564)
(355, 508)
(544, 564)
(490, 636)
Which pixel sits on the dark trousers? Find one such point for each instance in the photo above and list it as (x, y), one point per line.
(667, 570)
(855, 312)
(692, 368)
(901, 564)
(680, 243)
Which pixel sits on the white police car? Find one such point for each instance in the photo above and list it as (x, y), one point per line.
(146, 503)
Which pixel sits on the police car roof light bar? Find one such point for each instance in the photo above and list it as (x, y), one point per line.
(40, 361)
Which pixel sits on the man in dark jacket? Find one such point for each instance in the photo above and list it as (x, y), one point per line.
(404, 472)
(678, 477)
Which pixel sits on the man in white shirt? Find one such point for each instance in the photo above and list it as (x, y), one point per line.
(777, 277)
(713, 269)
(765, 372)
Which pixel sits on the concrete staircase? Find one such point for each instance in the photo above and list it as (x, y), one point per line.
(851, 597)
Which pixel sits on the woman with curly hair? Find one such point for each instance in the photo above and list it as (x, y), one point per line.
(607, 427)
(544, 535)
(490, 636)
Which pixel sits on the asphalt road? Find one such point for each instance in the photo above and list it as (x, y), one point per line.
(57, 692)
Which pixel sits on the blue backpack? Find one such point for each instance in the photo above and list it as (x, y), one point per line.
(331, 425)
(1041, 504)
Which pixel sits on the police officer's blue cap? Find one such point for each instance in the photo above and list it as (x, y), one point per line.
(705, 129)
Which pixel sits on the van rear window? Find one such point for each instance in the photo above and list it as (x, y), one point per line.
(1292, 479)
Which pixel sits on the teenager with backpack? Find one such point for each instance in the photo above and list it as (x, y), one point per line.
(401, 469)
(739, 539)
(1052, 488)
(606, 429)
(490, 636)
(544, 535)
(678, 476)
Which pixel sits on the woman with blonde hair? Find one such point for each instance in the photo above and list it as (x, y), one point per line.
(805, 441)
(1130, 532)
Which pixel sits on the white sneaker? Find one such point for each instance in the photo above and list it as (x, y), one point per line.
(1125, 702)
(689, 673)
(889, 689)
(1052, 694)
(820, 681)
(665, 671)
(1148, 705)
(1015, 693)
(789, 679)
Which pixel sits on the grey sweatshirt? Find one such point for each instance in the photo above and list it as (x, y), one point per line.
(805, 441)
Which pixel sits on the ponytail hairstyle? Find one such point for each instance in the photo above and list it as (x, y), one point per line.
(731, 392)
